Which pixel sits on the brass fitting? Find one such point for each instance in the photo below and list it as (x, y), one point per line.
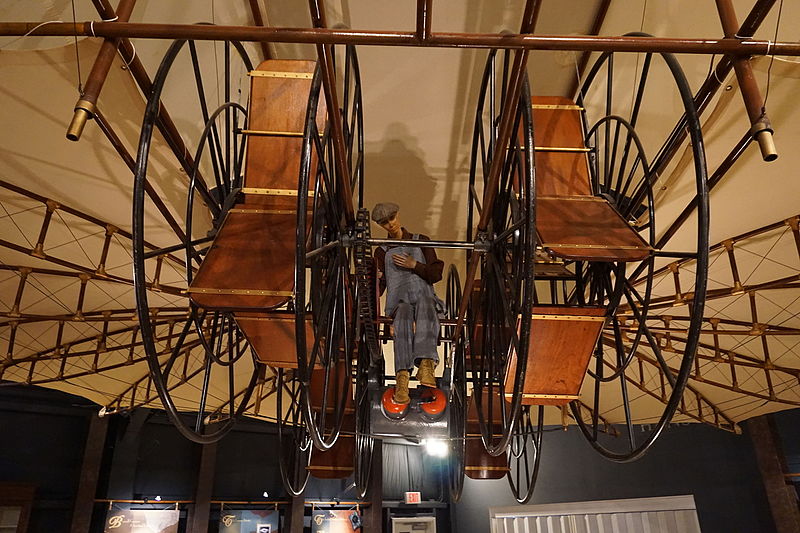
(84, 110)
(762, 133)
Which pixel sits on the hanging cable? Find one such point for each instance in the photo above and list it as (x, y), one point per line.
(772, 58)
(77, 54)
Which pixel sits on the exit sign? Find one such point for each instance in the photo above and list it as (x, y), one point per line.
(413, 497)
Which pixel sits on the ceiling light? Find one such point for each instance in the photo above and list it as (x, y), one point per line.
(435, 447)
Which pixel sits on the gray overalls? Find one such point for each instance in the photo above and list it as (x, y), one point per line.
(414, 306)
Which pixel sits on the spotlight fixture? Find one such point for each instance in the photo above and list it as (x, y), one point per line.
(157, 498)
(435, 447)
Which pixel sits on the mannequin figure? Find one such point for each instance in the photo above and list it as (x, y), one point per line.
(408, 273)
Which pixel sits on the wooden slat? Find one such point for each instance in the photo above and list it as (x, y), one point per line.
(561, 344)
(253, 251)
(478, 464)
(272, 336)
(339, 461)
(591, 231)
(278, 104)
(557, 122)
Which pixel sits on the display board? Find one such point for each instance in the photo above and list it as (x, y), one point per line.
(249, 521)
(414, 524)
(336, 521)
(142, 521)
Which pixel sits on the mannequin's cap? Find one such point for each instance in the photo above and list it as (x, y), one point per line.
(384, 211)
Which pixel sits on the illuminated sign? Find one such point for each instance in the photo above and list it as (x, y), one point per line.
(413, 497)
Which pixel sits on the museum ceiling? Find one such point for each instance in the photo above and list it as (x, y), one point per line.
(67, 305)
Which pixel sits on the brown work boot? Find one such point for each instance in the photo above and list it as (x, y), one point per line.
(426, 373)
(401, 388)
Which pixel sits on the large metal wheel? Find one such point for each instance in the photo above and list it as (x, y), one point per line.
(507, 268)
(174, 221)
(324, 280)
(630, 353)
(458, 389)
(364, 440)
(294, 442)
(525, 453)
(369, 364)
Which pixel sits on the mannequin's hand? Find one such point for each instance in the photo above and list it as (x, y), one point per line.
(404, 261)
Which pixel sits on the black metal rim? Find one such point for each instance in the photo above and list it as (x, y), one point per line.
(458, 391)
(677, 380)
(525, 454)
(507, 271)
(323, 260)
(294, 443)
(364, 440)
(227, 328)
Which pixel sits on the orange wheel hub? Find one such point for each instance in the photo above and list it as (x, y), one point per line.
(390, 407)
(433, 402)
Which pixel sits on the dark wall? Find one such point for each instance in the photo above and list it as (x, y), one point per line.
(42, 436)
(718, 468)
(787, 424)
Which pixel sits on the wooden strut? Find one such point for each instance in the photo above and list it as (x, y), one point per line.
(761, 129)
(85, 107)
(325, 58)
(516, 79)
(526, 41)
(702, 98)
(706, 93)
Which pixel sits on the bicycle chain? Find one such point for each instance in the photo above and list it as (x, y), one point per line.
(366, 284)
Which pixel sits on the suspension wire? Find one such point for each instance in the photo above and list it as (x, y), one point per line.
(772, 58)
(638, 57)
(77, 54)
(12, 41)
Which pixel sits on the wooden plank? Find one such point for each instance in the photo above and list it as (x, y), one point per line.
(559, 173)
(781, 495)
(339, 461)
(478, 464)
(272, 336)
(90, 473)
(561, 344)
(253, 251)
(296, 515)
(316, 391)
(278, 104)
(373, 514)
(575, 229)
(201, 510)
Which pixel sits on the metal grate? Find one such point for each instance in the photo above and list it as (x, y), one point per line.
(674, 514)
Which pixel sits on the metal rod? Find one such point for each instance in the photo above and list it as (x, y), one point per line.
(255, 9)
(164, 123)
(713, 180)
(176, 247)
(677, 255)
(747, 47)
(325, 55)
(599, 18)
(85, 106)
(516, 78)
(130, 162)
(759, 121)
(424, 17)
(709, 88)
(322, 249)
(454, 245)
(507, 114)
